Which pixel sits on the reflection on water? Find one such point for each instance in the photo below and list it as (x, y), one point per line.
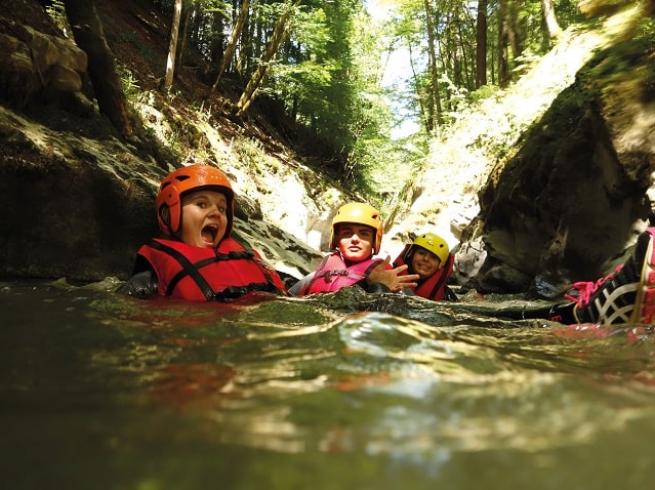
(341, 391)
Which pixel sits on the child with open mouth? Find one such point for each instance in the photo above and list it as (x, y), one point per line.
(197, 259)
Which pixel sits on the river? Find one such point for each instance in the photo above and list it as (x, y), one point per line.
(345, 391)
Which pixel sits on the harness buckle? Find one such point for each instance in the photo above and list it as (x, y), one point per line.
(327, 277)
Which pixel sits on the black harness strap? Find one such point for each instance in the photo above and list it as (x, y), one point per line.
(328, 275)
(187, 269)
(267, 274)
(205, 262)
(221, 257)
(227, 294)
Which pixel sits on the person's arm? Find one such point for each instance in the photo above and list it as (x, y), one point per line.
(393, 279)
(141, 285)
(296, 289)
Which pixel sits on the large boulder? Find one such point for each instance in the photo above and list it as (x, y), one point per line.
(41, 66)
(577, 192)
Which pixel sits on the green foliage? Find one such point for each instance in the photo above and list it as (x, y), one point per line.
(483, 92)
(250, 152)
(328, 80)
(213, 6)
(455, 36)
(129, 83)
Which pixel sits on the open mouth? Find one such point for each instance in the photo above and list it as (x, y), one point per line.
(208, 233)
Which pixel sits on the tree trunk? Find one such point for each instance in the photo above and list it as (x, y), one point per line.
(90, 37)
(216, 49)
(514, 33)
(434, 99)
(552, 26)
(466, 69)
(426, 115)
(279, 36)
(187, 10)
(172, 46)
(481, 45)
(294, 107)
(232, 43)
(245, 51)
(503, 68)
(259, 38)
(447, 63)
(196, 28)
(492, 62)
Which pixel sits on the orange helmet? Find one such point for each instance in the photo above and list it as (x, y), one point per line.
(187, 179)
(361, 214)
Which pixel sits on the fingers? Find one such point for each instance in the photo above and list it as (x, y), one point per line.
(409, 278)
(384, 264)
(400, 268)
(408, 281)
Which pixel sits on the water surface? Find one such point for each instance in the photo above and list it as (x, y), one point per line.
(103, 391)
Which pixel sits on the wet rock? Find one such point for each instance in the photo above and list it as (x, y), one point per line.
(18, 80)
(248, 208)
(564, 197)
(80, 205)
(575, 195)
(41, 67)
(469, 258)
(502, 278)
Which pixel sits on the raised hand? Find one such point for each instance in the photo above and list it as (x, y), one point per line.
(394, 279)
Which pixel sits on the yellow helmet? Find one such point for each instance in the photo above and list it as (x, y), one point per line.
(435, 244)
(361, 214)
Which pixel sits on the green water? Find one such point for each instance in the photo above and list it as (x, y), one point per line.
(102, 391)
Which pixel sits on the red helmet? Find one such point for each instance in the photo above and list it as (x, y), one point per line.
(187, 179)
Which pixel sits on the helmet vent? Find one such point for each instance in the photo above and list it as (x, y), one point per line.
(182, 178)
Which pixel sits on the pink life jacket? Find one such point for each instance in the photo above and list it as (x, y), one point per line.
(333, 274)
(433, 287)
(207, 274)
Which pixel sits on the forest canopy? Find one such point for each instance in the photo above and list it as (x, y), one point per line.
(323, 62)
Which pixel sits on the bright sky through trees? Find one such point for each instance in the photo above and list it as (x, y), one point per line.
(397, 73)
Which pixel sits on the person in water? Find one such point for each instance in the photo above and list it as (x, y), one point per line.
(355, 239)
(197, 259)
(429, 256)
(626, 296)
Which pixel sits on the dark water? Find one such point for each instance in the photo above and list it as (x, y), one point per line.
(102, 391)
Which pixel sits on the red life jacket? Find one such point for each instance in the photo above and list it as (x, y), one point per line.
(433, 287)
(333, 274)
(205, 274)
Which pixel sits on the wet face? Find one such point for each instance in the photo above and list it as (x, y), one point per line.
(425, 263)
(355, 242)
(204, 218)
